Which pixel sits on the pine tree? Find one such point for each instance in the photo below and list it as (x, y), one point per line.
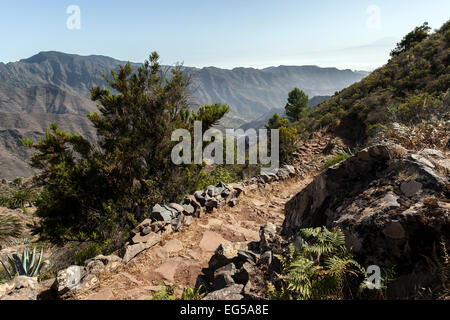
(297, 105)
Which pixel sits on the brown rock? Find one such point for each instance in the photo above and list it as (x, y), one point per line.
(394, 230)
(210, 241)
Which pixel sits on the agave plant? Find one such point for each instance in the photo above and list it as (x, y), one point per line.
(29, 264)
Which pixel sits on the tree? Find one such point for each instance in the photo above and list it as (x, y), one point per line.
(95, 191)
(276, 122)
(287, 135)
(297, 105)
(411, 39)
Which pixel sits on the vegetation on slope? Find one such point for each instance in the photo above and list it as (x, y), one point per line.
(412, 87)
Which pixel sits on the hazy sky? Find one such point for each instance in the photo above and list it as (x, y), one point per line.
(354, 34)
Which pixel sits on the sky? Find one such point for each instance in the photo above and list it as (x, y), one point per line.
(356, 34)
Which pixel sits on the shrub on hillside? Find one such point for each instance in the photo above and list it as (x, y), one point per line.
(99, 192)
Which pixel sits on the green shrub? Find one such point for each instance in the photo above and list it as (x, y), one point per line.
(91, 250)
(17, 181)
(168, 293)
(336, 159)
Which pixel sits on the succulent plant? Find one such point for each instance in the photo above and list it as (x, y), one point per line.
(29, 264)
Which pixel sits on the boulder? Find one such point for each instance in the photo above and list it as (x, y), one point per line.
(162, 213)
(69, 279)
(249, 256)
(143, 225)
(200, 197)
(223, 277)
(102, 263)
(386, 200)
(188, 209)
(156, 226)
(191, 200)
(211, 204)
(283, 173)
(226, 253)
(177, 222)
(133, 250)
(236, 189)
(290, 169)
(233, 292)
(232, 202)
(177, 207)
(242, 275)
(265, 178)
(188, 220)
(148, 238)
(268, 236)
(211, 191)
(266, 258)
(20, 288)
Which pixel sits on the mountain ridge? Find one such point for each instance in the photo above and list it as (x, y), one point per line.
(55, 86)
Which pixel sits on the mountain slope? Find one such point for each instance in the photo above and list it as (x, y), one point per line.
(412, 87)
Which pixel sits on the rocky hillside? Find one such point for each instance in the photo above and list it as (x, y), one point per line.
(412, 87)
(392, 205)
(54, 87)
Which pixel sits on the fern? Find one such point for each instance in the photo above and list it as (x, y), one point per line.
(439, 266)
(320, 269)
(168, 293)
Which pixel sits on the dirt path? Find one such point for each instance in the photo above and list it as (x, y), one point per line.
(181, 256)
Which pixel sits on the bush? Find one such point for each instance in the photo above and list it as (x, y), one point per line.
(91, 250)
(287, 136)
(96, 193)
(337, 158)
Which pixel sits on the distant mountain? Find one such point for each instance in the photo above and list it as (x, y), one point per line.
(54, 86)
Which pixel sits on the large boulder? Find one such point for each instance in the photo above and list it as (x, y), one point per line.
(389, 202)
(163, 213)
(20, 288)
(69, 279)
(226, 253)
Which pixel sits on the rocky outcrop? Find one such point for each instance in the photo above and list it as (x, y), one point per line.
(20, 288)
(391, 203)
(239, 270)
(81, 278)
